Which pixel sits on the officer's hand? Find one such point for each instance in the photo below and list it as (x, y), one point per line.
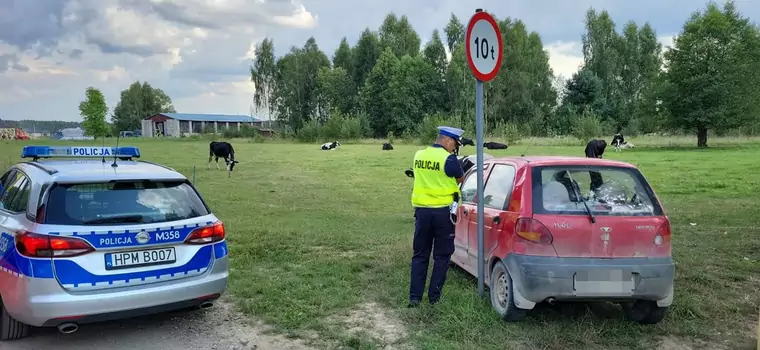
(409, 172)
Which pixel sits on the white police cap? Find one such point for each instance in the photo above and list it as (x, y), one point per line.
(450, 132)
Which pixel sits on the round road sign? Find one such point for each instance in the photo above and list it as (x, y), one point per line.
(483, 46)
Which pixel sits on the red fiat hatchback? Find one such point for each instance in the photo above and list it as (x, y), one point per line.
(568, 229)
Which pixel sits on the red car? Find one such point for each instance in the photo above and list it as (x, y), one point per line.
(568, 229)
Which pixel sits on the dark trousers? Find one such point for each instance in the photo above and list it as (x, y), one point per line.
(433, 231)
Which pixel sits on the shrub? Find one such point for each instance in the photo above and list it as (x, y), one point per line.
(585, 126)
(309, 132)
(508, 131)
(337, 127)
(427, 131)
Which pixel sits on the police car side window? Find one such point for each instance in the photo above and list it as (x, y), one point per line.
(470, 188)
(4, 181)
(16, 196)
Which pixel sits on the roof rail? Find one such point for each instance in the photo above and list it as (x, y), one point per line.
(41, 167)
(156, 164)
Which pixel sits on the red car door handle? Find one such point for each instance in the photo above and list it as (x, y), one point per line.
(465, 212)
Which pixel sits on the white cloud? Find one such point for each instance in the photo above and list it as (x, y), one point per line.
(198, 51)
(565, 58)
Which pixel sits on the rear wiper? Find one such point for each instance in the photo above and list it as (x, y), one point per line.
(116, 220)
(580, 198)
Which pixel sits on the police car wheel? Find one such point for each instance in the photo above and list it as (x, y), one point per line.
(10, 329)
(502, 298)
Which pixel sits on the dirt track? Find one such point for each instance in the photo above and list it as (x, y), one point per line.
(219, 327)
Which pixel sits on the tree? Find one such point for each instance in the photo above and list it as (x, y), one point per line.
(522, 92)
(365, 55)
(137, 102)
(93, 111)
(263, 76)
(297, 95)
(342, 56)
(460, 83)
(375, 98)
(415, 89)
(713, 72)
(337, 90)
(602, 56)
(454, 32)
(398, 35)
(583, 91)
(435, 53)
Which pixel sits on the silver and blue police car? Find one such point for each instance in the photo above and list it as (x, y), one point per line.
(101, 237)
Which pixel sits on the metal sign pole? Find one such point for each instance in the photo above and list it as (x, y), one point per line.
(479, 137)
(483, 45)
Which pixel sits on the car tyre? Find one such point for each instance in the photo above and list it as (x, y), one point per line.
(10, 329)
(644, 312)
(502, 298)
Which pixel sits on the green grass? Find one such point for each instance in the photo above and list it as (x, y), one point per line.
(314, 235)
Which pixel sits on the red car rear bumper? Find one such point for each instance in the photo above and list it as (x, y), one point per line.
(538, 278)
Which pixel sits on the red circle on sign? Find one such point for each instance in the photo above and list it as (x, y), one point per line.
(483, 16)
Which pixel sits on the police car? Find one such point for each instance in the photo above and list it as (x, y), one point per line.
(96, 238)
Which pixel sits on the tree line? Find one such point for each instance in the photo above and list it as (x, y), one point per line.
(136, 102)
(387, 85)
(40, 126)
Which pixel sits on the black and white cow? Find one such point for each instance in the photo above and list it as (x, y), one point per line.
(224, 150)
(494, 145)
(387, 146)
(329, 146)
(618, 141)
(595, 148)
(467, 142)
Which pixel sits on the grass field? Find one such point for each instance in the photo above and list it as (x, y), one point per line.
(320, 244)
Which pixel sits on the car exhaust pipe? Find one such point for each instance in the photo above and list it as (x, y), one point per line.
(68, 328)
(551, 301)
(206, 305)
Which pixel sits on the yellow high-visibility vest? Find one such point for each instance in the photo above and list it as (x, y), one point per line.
(432, 188)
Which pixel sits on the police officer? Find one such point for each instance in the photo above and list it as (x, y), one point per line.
(437, 174)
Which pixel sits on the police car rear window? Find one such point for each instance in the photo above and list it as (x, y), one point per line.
(122, 203)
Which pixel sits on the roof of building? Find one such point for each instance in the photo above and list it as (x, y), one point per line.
(211, 117)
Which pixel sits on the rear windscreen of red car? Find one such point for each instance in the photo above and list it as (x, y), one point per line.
(607, 190)
(122, 203)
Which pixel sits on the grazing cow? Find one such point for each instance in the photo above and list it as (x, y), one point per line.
(617, 140)
(222, 150)
(387, 146)
(595, 148)
(467, 142)
(494, 145)
(330, 146)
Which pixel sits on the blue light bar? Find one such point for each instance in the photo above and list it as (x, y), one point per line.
(79, 152)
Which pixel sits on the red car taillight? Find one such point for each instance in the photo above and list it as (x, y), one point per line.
(663, 234)
(533, 230)
(35, 245)
(207, 234)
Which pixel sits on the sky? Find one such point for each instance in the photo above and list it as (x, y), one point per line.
(199, 51)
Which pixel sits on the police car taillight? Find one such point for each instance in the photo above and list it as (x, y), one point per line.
(206, 234)
(35, 245)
